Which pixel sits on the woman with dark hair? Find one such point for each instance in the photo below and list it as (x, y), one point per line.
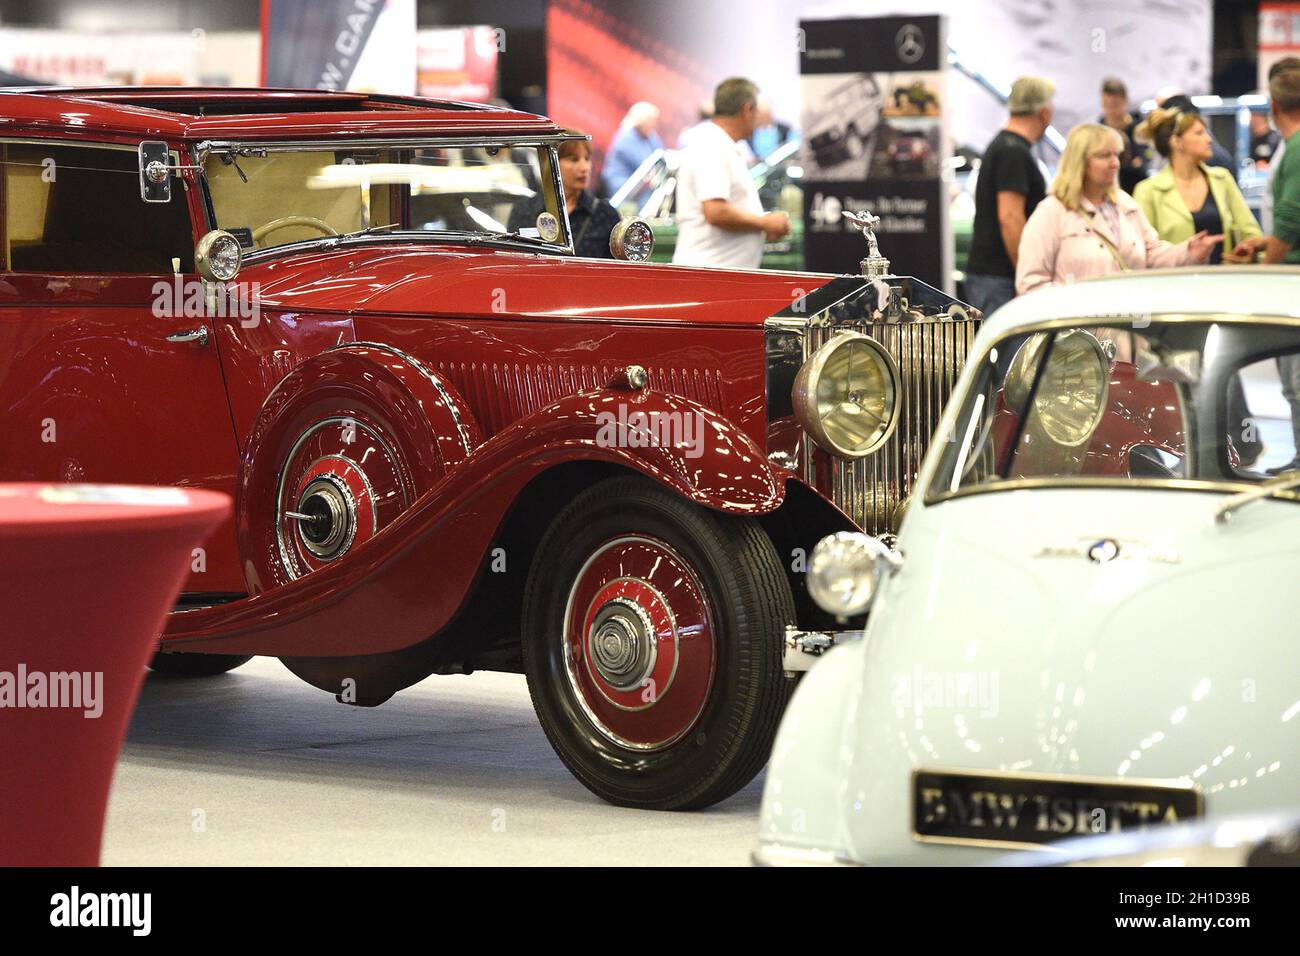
(591, 220)
(1189, 195)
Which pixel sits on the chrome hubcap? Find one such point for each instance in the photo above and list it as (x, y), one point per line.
(639, 647)
(327, 517)
(621, 644)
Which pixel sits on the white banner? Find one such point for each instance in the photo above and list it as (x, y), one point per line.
(71, 58)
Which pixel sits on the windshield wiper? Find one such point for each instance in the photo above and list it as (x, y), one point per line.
(369, 230)
(1284, 482)
(516, 236)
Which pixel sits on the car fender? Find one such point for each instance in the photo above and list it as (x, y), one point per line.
(420, 418)
(687, 446)
(406, 584)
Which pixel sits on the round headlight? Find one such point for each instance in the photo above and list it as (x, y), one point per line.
(218, 257)
(632, 239)
(844, 572)
(1072, 389)
(846, 395)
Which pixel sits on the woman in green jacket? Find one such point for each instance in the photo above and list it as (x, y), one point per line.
(1188, 196)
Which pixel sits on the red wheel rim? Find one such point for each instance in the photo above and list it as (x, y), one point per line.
(341, 484)
(639, 644)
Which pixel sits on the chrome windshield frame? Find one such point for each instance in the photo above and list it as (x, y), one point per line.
(551, 143)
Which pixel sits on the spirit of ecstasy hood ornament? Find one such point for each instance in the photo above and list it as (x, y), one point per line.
(874, 264)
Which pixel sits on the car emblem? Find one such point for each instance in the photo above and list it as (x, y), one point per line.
(1107, 549)
(910, 43)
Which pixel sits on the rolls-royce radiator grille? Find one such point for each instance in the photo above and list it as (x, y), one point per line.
(930, 353)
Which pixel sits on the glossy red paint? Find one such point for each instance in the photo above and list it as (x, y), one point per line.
(384, 596)
(432, 280)
(91, 390)
(366, 416)
(1137, 413)
(487, 368)
(172, 114)
(503, 328)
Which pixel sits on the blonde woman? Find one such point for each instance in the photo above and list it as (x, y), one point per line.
(1088, 227)
(1188, 195)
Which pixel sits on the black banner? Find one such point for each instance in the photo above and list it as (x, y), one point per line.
(875, 138)
(913, 908)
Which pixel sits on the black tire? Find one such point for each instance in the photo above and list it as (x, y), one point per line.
(749, 605)
(195, 665)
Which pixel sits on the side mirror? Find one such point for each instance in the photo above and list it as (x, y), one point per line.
(632, 239)
(155, 172)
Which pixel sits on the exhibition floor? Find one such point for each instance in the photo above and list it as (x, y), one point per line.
(453, 771)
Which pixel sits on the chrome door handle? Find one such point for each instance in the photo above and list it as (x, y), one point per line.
(199, 335)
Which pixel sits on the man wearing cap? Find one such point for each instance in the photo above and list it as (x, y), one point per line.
(1010, 184)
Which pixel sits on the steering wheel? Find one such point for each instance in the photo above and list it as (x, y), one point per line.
(264, 230)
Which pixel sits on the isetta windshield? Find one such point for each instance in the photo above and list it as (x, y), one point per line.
(1167, 401)
(276, 196)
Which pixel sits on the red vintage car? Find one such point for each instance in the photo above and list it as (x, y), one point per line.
(452, 444)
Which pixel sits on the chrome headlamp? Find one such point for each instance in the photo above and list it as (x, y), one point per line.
(218, 257)
(1072, 388)
(845, 570)
(846, 395)
(632, 239)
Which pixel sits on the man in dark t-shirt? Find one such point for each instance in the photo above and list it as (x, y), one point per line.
(1009, 185)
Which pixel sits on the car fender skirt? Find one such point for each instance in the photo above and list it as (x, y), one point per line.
(405, 584)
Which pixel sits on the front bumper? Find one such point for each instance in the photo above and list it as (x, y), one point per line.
(804, 648)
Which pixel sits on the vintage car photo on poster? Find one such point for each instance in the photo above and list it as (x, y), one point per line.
(1087, 625)
(842, 114)
(453, 446)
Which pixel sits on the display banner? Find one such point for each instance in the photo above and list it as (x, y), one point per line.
(74, 58)
(876, 138)
(1279, 36)
(458, 63)
(366, 45)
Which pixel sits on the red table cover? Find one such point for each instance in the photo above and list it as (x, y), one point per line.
(87, 575)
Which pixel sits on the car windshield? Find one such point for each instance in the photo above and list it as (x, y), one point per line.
(275, 196)
(1172, 397)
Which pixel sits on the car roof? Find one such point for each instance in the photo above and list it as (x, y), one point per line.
(216, 113)
(1241, 290)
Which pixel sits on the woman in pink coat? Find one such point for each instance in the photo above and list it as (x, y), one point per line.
(1088, 227)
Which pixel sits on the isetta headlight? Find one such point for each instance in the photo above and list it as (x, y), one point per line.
(218, 256)
(632, 239)
(845, 570)
(1072, 387)
(846, 395)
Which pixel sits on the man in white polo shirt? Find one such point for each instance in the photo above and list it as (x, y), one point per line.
(720, 220)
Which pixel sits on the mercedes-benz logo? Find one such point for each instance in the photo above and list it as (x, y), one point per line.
(1107, 549)
(910, 43)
